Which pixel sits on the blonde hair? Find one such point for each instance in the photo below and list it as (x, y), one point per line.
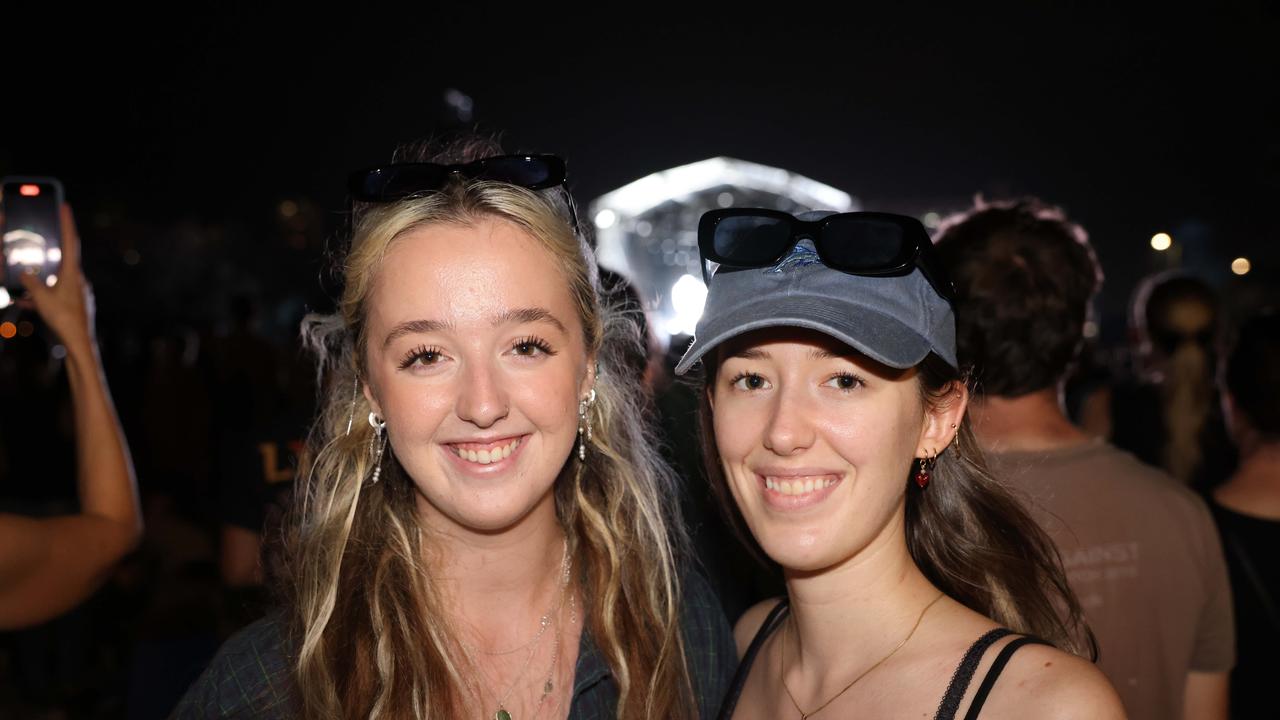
(372, 633)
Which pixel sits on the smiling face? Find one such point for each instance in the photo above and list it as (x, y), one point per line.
(477, 362)
(816, 442)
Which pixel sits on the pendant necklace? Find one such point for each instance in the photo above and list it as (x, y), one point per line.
(552, 615)
(805, 715)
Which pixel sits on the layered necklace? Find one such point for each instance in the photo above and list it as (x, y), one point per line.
(552, 616)
(805, 715)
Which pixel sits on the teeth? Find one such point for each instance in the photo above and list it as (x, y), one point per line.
(486, 457)
(798, 487)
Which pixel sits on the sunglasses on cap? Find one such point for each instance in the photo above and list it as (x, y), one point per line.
(858, 243)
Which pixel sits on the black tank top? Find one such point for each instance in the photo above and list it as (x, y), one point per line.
(955, 689)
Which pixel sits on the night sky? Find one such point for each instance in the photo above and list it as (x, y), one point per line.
(1134, 121)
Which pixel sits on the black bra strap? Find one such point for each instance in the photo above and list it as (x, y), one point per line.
(964, 674)
(993, 674)
(771, 623)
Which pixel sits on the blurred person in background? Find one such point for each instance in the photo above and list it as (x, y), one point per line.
(1168, 413)
(1140, 549)
(1247, 508)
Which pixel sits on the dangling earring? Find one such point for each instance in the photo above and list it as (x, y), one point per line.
(925, 471)
(584, 424)
(377, 444)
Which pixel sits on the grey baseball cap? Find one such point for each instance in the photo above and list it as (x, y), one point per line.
(895, 320)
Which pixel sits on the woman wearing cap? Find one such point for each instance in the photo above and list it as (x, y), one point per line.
(834, 414)
(483, 531)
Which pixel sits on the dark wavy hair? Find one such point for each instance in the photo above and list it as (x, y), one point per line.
(969, 536)
(1024, 276)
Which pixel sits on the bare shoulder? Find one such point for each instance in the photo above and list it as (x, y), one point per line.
(1044, 682)
(744, 631)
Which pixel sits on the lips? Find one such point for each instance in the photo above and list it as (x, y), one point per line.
(485, 453)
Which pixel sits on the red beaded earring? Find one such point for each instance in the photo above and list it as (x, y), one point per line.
(925, 470)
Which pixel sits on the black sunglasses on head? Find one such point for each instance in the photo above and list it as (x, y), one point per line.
(389, 183)
(858, 243)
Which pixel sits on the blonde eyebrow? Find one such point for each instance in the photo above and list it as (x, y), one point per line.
(413, 327)
(528, 315)
(516, 315)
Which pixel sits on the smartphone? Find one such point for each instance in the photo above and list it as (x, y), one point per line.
(32, 211)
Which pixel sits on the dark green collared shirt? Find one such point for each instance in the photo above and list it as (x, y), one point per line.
(250, 675)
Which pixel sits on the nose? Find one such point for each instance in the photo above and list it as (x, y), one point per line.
(789, 430)
(482, 399)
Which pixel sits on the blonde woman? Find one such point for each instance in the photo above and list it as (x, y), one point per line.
(484, 531)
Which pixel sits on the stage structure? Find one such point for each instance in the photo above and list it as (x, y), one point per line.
(647, 230)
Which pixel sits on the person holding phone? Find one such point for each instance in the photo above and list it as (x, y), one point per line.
(49, 565)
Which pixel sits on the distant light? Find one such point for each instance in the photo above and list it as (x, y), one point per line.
(652, 190)
(51, 280)
(25, 329)
(688, 295)
(29, 190)
(1161, 241)
(28, 255)
(643, 228)
(132, 257)
(58, 352)
(1090, 329)
(288, 208)
(462, 105)
(932, 220)
(5, 300)
(8, 330)
(606, 219)
(1241, 266)
(724, 199)
(54, 255)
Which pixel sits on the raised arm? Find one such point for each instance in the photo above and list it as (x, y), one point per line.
(49, 565)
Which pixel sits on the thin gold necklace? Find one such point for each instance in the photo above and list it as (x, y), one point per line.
(543, 623)
(501, 712)
(783, 676)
